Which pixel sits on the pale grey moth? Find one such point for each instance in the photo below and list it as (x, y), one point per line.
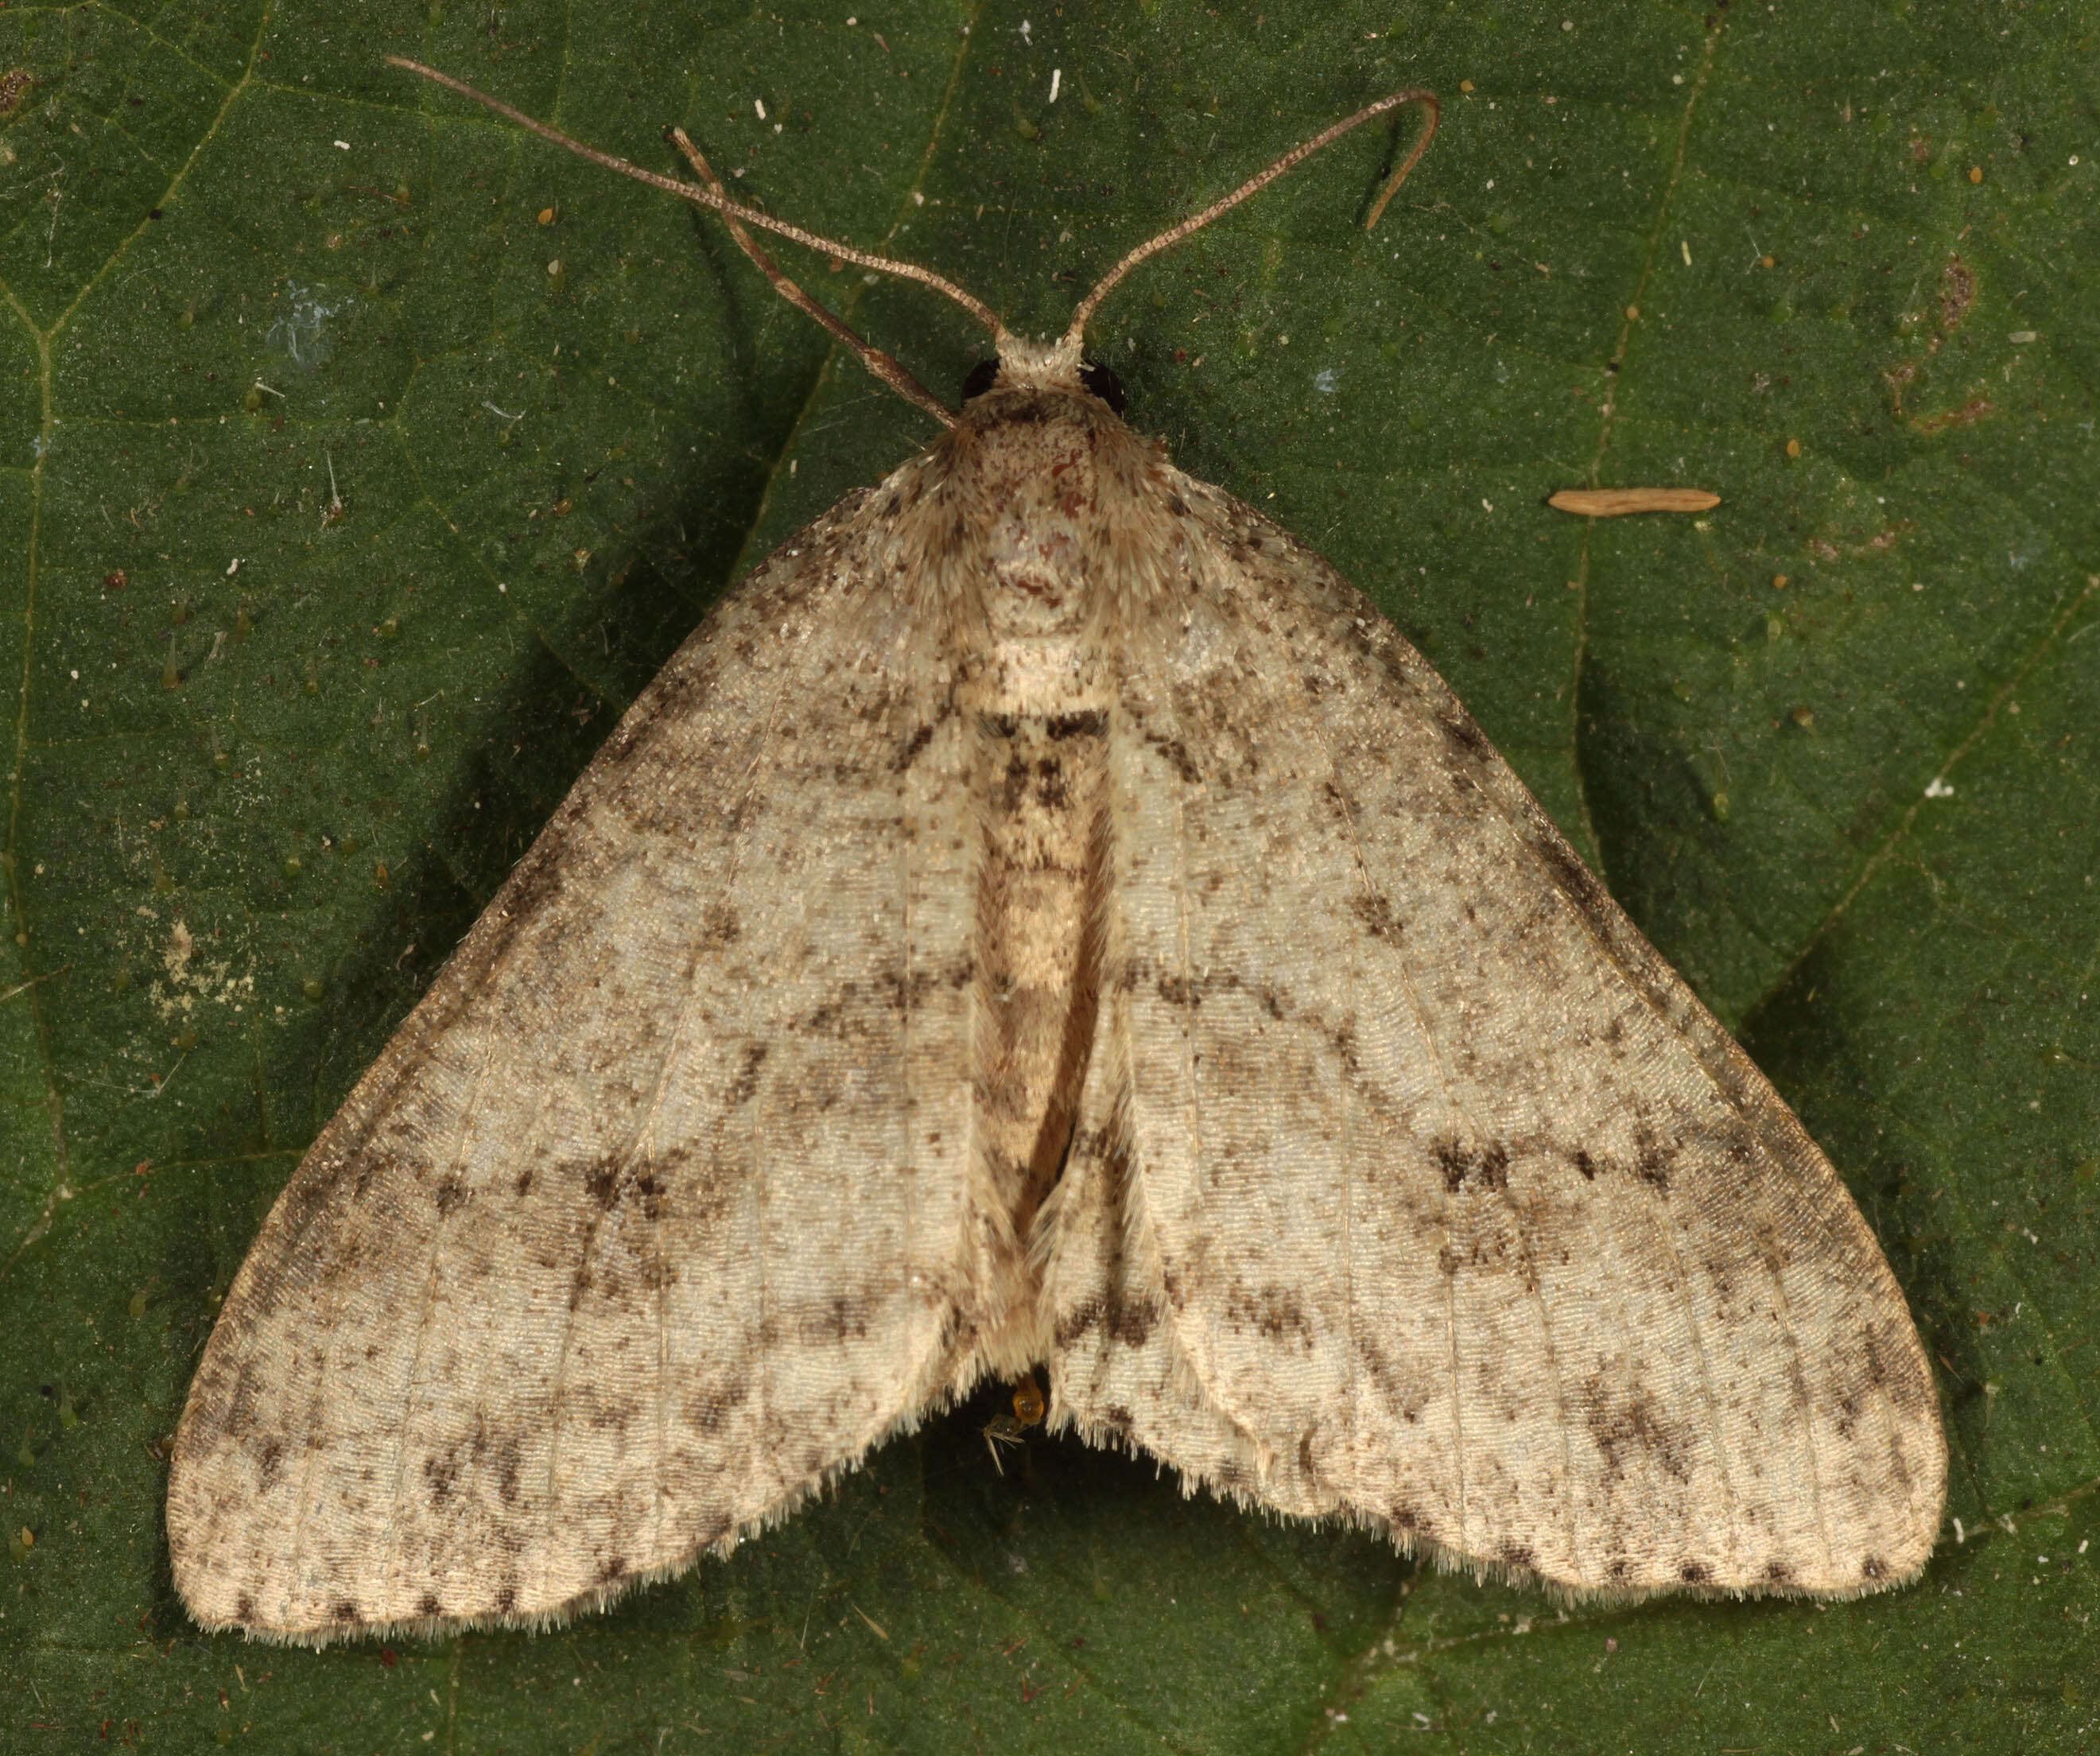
(1044, 920)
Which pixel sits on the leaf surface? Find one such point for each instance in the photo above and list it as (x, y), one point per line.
(360, 459)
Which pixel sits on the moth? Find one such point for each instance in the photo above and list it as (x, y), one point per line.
(1045, 921)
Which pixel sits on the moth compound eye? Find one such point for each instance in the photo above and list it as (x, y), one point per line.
(980, 379)
(1100, 382)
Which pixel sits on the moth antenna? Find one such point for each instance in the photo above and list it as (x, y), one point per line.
(750, 216)
(885, 366)
(1291, 161)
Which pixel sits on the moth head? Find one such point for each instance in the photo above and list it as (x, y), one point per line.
(1020, 364)
(1098, 381)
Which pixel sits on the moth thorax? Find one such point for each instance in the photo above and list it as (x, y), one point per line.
(1047, 530)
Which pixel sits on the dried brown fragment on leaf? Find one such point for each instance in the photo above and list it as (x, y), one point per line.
(1615, 502)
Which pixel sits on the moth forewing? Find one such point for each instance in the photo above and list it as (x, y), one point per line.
(1044, 919)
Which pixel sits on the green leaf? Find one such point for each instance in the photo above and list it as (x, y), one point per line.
(338, 525)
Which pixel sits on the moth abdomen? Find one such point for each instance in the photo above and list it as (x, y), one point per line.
(1042, 858)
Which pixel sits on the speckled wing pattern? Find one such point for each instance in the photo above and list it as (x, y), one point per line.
(1045, 917)
(1411, 1186)
(593, 1271)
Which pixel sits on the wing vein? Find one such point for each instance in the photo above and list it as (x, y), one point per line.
(1679, 1281)
(427, 1311)
(1549, 1080)
(558, 1384)
(1419, 1017)
(1664, 1233)
(661, 1274)
(907, 1081)
(1351, 967)
(311, 1458)
(1191, 1121)
(1782, 1309)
